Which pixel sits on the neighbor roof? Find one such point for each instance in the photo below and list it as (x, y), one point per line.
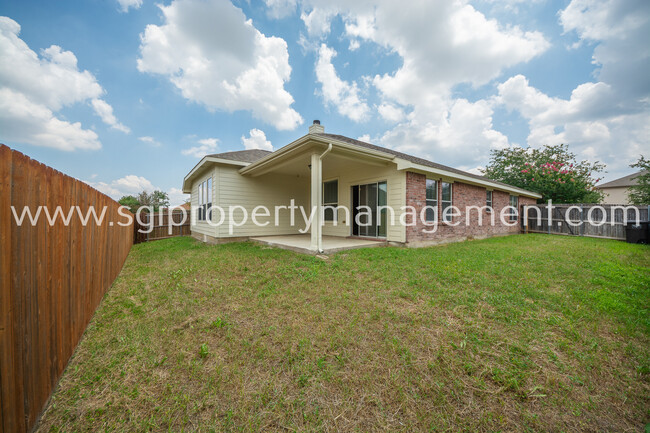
(628, 180)
(250, 155)
(411, 158)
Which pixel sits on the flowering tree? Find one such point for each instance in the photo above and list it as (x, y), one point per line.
(551, 171)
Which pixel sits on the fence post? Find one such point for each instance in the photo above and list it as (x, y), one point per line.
(582, 220)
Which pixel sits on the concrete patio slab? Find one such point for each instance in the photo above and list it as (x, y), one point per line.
(331, 244)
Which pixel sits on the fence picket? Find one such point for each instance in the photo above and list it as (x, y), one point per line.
(52, 280)
(613, 228)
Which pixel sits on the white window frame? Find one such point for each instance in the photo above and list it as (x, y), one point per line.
(200, 201)
(333, 204)
(489, 201)
(433, 202)
(450, 202)
(207, 213)
(205, 199)
(514, 213)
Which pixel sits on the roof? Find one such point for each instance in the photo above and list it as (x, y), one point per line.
(250, 155)
(251, 159)
(411, 158)
(624, 181)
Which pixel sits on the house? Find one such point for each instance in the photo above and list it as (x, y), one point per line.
(615, 192)
(370, 185)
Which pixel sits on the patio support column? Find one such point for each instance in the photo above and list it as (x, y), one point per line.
(316, 200)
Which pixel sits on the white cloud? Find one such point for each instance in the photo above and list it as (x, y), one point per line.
(177, 197)
(126, 4)
(256, 140)
(441, 45)
(105, 111)
(127, 185)
(343, 95)
(207, 146)
(318, 21)
(149, 140)
(601, 20)
(606, 120)
(364, 137)
(39, 88)
(216, 57)
(26, 122)
(133, 185)
(456, 132)
(280, 8)
(592, 121)
(390, 112)
(620, 28)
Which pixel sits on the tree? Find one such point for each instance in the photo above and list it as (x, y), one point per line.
(551, 171)
(640, 193)
(131, 202)
(156, 199)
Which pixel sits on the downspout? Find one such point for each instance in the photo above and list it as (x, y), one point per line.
(319, 206)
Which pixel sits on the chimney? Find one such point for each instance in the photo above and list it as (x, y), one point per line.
(316, 128)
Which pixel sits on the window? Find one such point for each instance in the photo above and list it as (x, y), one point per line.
(200, 213)
(330, 198)
(488, 200)
(514, 202)
(382, 196)
(446, 200)
(208, 199)
(432, 199)
(205, 200)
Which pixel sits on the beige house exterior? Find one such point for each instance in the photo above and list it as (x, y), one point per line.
(616, 191)
(300, 173)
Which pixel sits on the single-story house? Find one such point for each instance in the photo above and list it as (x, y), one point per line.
(616, 191)
(319, 170)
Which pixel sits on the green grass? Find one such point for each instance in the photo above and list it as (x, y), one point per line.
(519, 333)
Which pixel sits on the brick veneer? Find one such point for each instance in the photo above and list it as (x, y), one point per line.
(462, 195)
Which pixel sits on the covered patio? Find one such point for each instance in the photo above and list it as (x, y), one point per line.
(301, 243)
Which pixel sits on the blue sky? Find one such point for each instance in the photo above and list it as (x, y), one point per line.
(128, 94)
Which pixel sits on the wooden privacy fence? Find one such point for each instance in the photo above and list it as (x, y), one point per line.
(607, 221)
(162, 225)
(52, 279)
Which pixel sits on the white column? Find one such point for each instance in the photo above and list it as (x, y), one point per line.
(316, 200)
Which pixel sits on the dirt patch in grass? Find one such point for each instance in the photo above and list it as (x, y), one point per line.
(522, 333)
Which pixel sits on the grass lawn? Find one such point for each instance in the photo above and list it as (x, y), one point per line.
(519, 333)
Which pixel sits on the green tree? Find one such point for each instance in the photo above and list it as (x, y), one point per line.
(640, 193)
(552, 171)
(131, 202)
(156, 199)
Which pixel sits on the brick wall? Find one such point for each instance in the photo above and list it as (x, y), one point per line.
(462, 195)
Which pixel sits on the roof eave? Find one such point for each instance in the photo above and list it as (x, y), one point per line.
(268, 160)
(187, 185)
(403, 164)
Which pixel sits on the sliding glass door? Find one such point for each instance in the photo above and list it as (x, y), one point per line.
(369, 219)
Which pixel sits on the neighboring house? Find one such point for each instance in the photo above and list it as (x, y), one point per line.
(336, 170)
(615, 192)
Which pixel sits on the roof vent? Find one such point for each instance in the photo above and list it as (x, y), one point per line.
(316, 128)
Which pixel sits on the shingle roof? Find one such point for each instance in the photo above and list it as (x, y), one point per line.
(628, 180)
(408, 157)
(251, 155)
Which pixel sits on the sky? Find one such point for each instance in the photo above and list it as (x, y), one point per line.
(128, 95)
